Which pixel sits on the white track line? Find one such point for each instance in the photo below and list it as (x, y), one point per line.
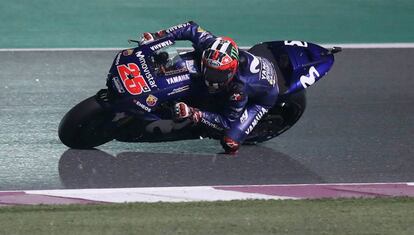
(185, 194)
(343, 45)
(159, 194)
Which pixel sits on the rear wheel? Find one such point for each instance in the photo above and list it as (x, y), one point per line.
(87, 125)
(280, 118)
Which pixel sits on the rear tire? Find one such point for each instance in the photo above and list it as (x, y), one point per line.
(86, 125)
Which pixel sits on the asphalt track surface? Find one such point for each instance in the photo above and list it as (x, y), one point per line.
(358, 127)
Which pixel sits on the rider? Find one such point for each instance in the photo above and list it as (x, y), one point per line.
(248, 82)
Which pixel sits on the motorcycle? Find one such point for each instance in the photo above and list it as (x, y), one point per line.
(145, 82)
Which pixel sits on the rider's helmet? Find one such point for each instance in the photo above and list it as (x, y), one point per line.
(219, 63)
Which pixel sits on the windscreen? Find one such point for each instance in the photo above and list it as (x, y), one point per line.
(169, 62)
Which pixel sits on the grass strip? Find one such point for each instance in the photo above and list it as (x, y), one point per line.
(328, 216)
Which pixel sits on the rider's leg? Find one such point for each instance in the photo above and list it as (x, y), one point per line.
(242, 127)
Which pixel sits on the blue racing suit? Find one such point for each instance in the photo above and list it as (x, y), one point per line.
(251, 93)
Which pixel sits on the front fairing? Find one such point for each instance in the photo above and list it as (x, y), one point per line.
(147, 76)
(301, 63)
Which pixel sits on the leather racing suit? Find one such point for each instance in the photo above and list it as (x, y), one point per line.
(249, 96)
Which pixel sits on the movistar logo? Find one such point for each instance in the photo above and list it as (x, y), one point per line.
(210, 124)
(254, 65)
(146, 70)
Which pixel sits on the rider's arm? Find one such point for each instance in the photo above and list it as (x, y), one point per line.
(236, 102)
(187, 31)
(235, 106)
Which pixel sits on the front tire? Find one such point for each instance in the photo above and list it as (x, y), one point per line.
(280, 118)
(86, 125)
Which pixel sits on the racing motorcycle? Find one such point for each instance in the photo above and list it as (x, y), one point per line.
(145, 82)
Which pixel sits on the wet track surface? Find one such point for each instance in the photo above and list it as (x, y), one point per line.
(358, 127)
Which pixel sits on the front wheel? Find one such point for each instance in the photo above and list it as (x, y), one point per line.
(280, 118)
(86, 125)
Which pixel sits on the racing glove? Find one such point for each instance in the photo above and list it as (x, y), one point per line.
(229, 145)
(183, 111)
(149, 37)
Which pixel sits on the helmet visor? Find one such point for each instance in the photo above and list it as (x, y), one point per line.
(216, 80)
(217, 76)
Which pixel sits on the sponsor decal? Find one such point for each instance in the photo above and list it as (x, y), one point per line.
(177, 27)
(118, 58)
(175, 71)
(179, 78)
(118, 85)
(179, 90)
(311, 78)
(144, 107)
(244, 116)
(133, 81)
(254, 65)
(161, 45)
(258, 116)
(190, 66)
(151, 100)
(267, 73)
(147, 72)
(210, 124)
(127, 52)
(296, 43)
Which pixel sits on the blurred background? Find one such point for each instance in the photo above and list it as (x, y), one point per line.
(109, 23)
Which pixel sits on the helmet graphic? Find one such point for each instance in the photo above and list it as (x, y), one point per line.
(219, 63)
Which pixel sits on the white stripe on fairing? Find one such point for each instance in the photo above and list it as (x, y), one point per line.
(161, 194)
(346, 45)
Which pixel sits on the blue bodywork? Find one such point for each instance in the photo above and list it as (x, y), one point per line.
(171, 78)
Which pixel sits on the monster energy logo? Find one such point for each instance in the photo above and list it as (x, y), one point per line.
(234, 53)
